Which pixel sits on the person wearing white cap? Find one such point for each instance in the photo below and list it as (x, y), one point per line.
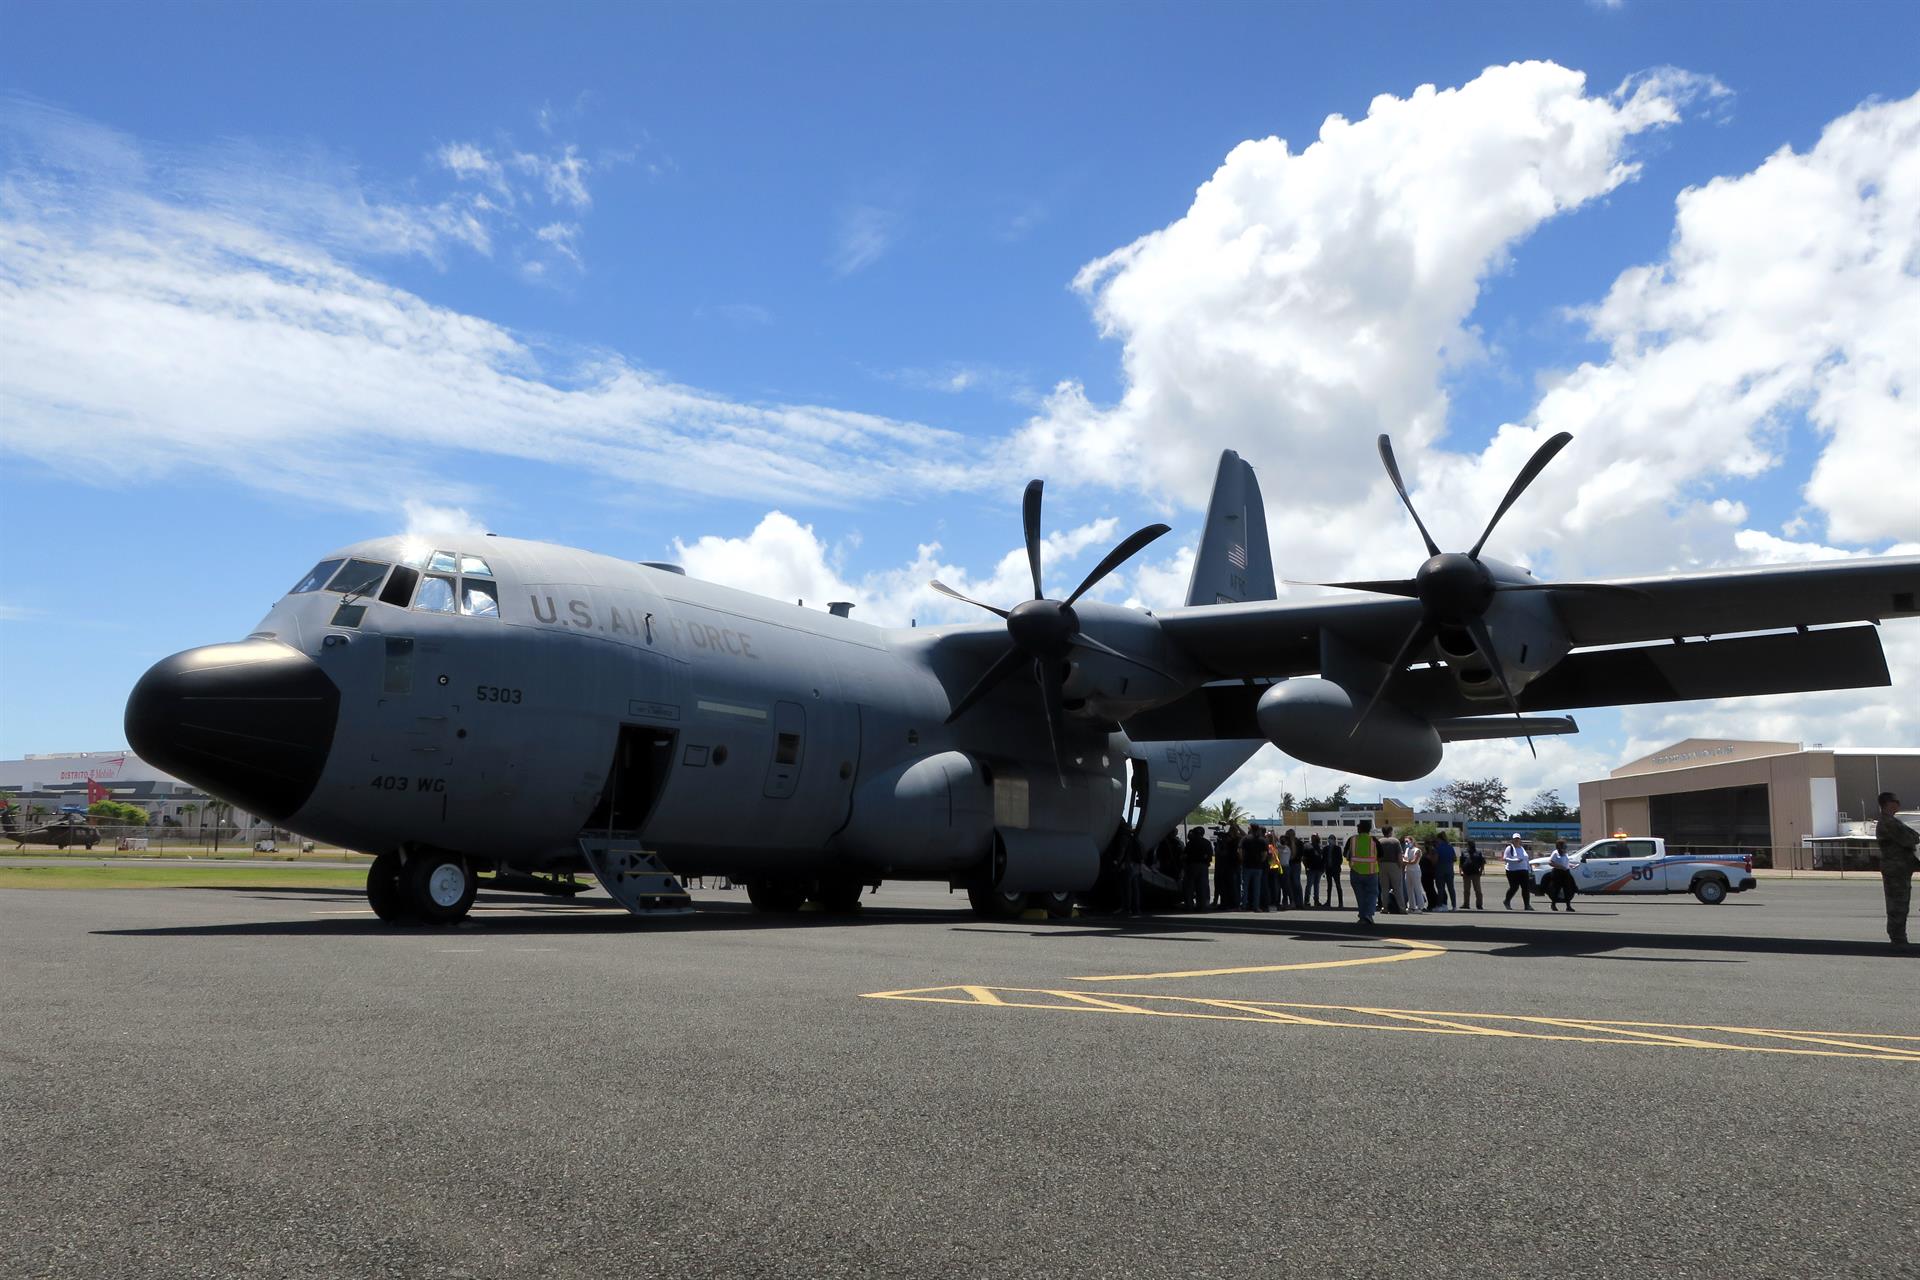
(1519, 872)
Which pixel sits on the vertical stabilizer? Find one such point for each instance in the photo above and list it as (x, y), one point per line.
(1234, 562)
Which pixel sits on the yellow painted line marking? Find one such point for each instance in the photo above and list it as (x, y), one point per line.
(1811, 1038)
(1415, 951)
(1867, 1046)
(1636, 1033)
(1264, 1014)
(1447, 1023)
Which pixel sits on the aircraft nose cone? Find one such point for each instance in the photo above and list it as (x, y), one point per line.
(250, 723)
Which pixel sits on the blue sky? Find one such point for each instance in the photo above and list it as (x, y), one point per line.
(810, 211)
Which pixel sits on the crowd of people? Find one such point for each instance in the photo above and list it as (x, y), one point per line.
(1261, 869)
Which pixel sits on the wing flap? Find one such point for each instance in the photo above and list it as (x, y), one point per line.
(1737, 667)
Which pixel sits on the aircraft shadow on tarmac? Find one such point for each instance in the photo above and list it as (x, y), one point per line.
(549, 918)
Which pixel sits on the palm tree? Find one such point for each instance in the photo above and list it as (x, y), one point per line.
(1231, 814)
(218, 811)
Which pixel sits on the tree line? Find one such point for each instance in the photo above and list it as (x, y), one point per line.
(1480, 799)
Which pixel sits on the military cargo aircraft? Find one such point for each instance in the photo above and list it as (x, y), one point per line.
(501, 713)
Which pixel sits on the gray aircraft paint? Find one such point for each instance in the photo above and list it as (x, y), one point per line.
(493, 737)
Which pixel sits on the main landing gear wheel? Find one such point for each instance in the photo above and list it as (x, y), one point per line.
(385, 894)
(1058, 906)
(440, 886)
(781, 897)
(837, 895)
(991, 904)
(1711, 891)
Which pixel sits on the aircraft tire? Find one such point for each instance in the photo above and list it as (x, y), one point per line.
(1058, 906)
(439, 887)
(839, 895)
(990, 904)
(385, 894)
(776, 897)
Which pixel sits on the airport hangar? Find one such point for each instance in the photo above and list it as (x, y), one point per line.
(1774, 800)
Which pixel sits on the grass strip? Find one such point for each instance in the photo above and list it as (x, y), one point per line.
(195, 877)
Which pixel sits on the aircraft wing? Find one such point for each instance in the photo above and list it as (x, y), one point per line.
(1735, 667)
(1278, 638)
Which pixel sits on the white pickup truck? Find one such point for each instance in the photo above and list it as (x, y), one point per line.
(1641, 864)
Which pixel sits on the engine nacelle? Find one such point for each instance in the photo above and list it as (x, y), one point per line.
(934, 814)
(1312, 719)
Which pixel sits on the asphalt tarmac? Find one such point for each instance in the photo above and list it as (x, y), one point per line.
(217, 1083)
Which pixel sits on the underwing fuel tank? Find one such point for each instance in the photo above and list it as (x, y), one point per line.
(1312, 719)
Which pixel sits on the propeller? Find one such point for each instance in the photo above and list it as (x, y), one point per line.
(1455, 589)
(1045, 631)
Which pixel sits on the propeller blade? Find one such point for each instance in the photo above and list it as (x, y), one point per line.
(1086, 641)
(1384, 586)
(1591, 588)
(1535, 465)
(1483, 641)
(1399, 486)
(1422, 635)
(1004, 666)
(1127, 549)
(1030, 518)
(946, 590)
(1050, 689)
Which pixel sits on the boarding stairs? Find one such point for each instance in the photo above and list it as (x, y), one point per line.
(637, 879)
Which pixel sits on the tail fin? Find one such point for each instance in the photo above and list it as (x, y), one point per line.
(1234, 562)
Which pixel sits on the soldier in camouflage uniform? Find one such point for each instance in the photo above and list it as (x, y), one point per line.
(1897, 864)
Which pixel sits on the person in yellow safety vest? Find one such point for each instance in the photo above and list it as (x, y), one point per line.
(1363, 858)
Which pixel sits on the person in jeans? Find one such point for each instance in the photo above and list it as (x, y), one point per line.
(1194, 879)
(1253, 868)
(1472, 864)
(1519, 872)
(1226, 869)
(1294, 868)
(1315, 862)
(1443, 858)
(1393, 874)
(1335, 887)
(1363, 856)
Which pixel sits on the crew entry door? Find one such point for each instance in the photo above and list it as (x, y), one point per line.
(789, 749)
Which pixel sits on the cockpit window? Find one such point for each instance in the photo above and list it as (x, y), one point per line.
(444, 562)
(436, 594)
(477, 598)
(399, 588)
(471, 565)
(358, 577)
(315, 580)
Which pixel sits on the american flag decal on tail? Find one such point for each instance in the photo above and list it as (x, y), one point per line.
(1236, 555)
